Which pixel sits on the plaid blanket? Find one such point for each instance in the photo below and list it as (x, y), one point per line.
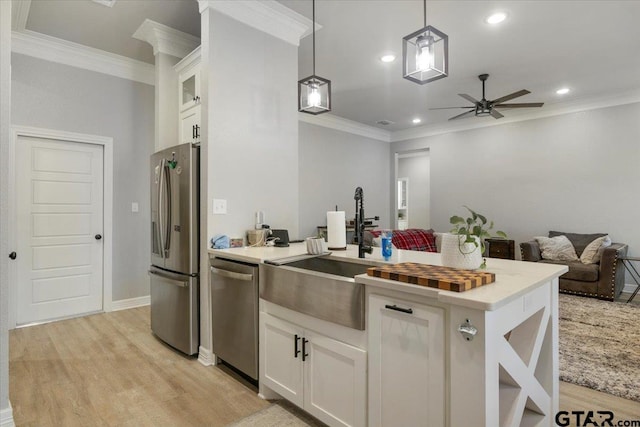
(413, 239)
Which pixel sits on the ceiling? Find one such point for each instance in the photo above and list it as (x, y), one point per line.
(591, 47)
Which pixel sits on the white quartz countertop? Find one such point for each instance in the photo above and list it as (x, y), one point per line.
(513, 278)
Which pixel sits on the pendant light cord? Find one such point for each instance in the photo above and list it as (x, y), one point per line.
(425, 12)
(313, 15)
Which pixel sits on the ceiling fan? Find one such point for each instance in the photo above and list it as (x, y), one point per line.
(485, 107)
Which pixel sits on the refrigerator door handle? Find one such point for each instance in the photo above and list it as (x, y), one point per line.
(160, 206)
(173, 278)
(167, 178)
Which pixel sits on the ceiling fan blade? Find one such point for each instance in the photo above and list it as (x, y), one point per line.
(468, 98)
(463, 115)
(524, 105)
(496, 114)
(448, 108)
(510, 96)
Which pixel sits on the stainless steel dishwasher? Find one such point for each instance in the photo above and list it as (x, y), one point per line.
(234, 317)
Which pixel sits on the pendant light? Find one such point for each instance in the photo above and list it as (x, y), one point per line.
(425, 54)
(314, 92)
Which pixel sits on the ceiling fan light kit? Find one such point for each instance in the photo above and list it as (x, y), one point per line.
(314, 92)
(425, 54)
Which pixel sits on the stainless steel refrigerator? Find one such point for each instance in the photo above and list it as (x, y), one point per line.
(175, 257)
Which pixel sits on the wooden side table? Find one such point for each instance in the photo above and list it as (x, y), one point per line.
(500, 248)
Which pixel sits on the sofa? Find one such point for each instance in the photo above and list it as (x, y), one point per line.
(412, 239)
(603, 279)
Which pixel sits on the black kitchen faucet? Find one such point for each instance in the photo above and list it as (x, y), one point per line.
(360, 220)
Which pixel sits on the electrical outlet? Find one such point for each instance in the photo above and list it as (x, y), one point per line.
(219, 206)
(134, 207)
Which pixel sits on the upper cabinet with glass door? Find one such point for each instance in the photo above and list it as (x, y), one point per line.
(189, 77)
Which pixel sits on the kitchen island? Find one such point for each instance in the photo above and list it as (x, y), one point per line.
(484, 357)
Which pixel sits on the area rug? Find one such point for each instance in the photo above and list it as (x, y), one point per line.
(600, 345)
(279, 414)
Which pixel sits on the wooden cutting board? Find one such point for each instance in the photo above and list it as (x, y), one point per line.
(433, 276)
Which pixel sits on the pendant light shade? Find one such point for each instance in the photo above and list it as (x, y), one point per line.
(425, 54)
(314, 95)
(314, 92)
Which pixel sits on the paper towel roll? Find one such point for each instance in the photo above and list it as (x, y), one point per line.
(336, 231)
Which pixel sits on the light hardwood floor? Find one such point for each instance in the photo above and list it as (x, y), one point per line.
(108, 369)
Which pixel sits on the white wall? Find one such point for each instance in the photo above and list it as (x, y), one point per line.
(5, 138)
(417, 169)
(576, 172)
(251, 127)
(332, 164)
(55, 96)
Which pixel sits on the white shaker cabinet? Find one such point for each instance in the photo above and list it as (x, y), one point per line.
(325, 377)
(189, 97)
(190, 126)
(406, 363)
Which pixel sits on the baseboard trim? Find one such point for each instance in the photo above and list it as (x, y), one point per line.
(629, 288)
(6, 417)
(125, 304)
(205, 356)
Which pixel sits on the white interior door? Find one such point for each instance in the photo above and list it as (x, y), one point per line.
(59, 198)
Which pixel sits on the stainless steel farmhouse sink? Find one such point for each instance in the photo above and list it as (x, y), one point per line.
(318, 286)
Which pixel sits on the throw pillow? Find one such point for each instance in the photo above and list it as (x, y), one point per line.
(593, 252)
(557, 248)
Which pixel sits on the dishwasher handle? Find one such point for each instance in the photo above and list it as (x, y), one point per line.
(232, 274)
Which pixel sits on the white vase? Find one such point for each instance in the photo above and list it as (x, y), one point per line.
(460, 255)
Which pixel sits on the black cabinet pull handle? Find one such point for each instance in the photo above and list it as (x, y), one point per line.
(197, 131)
(396, 308)
(295, 350)
(304, 349)
(13, 255)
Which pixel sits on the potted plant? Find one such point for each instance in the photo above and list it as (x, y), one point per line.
(464, 246)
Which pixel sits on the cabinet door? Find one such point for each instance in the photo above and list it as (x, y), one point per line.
(282, 366)
(406, 363)
(190, 129)
(335, 381)
(189, 89)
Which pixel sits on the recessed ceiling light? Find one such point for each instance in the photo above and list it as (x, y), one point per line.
(388, 58)
(416, 121)
(496, 18)
(563, 91)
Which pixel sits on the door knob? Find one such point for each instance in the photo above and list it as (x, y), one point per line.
(98, 236)
(13, 255)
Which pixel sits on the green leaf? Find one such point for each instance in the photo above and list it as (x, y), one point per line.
(456, 220)
(477, 230)
(501, 234)
(482, 218)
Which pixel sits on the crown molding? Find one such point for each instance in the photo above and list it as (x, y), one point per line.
(165, 39)
(345, 125)
(19, 14)
(268, 16)
(578, 105)
(65, 52)
(108, 3)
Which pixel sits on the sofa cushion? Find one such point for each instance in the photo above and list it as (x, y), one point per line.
(557, 248)
(413, 239)
(578, 270)
(593, 252)
(578, 240)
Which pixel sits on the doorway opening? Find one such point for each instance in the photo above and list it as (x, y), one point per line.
(412, 189)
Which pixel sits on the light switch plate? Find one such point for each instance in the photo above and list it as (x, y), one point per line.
(134, 207)
(219, 206)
